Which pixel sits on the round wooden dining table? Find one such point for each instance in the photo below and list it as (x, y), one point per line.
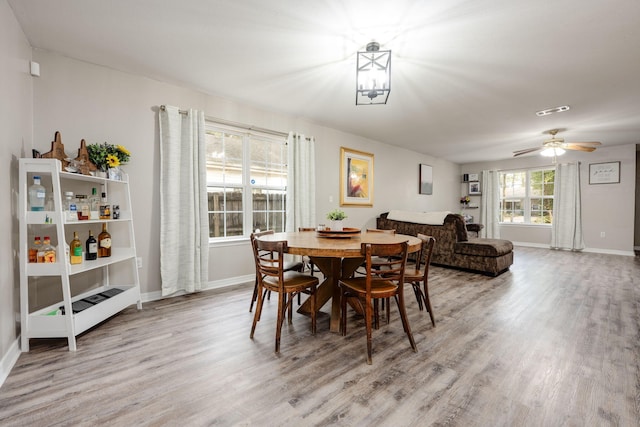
(337, 255)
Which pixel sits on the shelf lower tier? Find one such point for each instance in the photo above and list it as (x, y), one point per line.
(42, 324)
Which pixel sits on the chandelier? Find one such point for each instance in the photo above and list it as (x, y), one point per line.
(373, 75)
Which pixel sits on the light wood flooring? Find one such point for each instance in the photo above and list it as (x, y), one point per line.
(553, 342)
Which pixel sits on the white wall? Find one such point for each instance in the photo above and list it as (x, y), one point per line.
(85, 101)
(608, 208)
(16, 112)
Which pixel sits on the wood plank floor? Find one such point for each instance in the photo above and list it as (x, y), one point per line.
(553, 342)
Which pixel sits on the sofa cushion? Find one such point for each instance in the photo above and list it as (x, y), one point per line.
(484, 247)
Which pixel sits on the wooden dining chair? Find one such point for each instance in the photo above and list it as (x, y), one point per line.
(270, 261)
(418, 273)
(288, 266)
(365, 290)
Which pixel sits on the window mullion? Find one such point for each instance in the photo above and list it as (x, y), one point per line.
(246, 185)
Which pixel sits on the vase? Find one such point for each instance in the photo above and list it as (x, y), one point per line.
(336, 225)
(115, 174)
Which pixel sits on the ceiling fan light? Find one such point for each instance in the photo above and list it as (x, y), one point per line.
(552, 151)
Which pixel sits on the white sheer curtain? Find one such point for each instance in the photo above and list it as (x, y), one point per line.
(184, 224)
(566, 230)
(490, 204)
(301, 182)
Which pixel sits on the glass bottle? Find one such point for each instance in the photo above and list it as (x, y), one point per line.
(104, 242)
(37, 195)
(105, 211)
(94, 204)
(92, 248)
(33, 250)
(70, 207)
(83, 207)
(75, 250)
(49, 252)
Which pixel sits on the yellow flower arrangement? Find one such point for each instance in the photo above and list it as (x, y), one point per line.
(106, 156)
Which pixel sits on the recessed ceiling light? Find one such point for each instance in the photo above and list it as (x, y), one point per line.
(552, 110)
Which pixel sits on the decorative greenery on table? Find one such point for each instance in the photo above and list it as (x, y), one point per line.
(336, 215)
(106, 155)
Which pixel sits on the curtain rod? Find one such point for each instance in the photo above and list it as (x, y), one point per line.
(239, 125)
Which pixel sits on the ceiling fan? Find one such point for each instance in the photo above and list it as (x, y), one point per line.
(555, 146)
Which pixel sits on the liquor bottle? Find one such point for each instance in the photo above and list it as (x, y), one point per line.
(105, 211)
(49, 252)
(83, 207)
(94, 204)
(92, 248)
(104, 242)
(37, 195)
(70, 207)
(75, 252)
(33, 250)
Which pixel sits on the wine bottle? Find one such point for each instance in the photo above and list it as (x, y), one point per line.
(92, 248)
(75, 252)
(104, 242)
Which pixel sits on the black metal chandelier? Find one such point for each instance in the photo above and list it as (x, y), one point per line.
(373, 75)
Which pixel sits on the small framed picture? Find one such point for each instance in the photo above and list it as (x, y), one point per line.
(473, 177)
(604, 173)
(426, 179)
(474, 188)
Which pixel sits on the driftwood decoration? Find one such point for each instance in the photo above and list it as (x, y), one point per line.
(57, 151)
(83, 163)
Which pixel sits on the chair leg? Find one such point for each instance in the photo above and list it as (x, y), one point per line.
(256, 315)
(427, 303)
(418, 293)
(367, 321)
(288, 300)
(405, 321)
(280, 320)
(343, 313)
(313, 311)
(255, 295)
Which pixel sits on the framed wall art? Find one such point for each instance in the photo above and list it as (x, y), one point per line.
(426, 179)
(356, 178)
(474, 188)
(604, 173)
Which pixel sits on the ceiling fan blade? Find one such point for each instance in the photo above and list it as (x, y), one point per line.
(587, 144)
(579, 148)
(526, 151)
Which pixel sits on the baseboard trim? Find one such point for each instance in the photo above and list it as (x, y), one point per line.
(9, 360)
(216, 284)
(590, 250)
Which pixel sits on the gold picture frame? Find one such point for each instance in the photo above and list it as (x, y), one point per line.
(356, 178)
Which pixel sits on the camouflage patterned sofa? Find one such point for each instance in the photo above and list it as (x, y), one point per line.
(454, 248)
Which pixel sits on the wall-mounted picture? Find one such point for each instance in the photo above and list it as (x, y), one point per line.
(474, 188)
(356, 178)
(426, 179)
(604, 173)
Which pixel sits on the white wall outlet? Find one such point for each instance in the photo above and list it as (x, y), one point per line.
(330, 199)
(139, 261)
(602, 234)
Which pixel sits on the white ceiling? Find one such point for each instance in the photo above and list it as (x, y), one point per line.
(467, 75)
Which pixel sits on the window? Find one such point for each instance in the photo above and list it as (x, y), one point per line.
(526, 196)
(246, 181)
